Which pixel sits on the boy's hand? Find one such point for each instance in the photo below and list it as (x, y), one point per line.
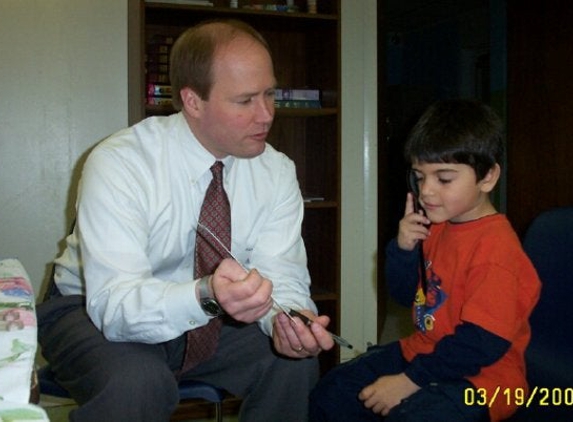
(413, 226)
(386, 392)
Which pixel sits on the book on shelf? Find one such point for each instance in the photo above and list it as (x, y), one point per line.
(159, 101)
(158, 90)
(157, 48)
(156, 39)
(158, 78)
(157, 58)
(286, 94)
(297, 104)
(312, 198)
(190, 2)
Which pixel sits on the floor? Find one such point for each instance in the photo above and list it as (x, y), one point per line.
(58, 410)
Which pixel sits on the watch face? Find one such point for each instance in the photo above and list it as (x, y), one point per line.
(211, 307)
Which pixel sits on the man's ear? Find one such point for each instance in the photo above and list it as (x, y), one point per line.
(192, 103)
(490, 180)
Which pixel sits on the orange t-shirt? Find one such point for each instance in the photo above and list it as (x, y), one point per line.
(478, 272)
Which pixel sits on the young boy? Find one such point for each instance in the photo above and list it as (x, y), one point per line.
(465, 359)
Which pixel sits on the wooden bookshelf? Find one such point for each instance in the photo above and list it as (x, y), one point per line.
(306, 54)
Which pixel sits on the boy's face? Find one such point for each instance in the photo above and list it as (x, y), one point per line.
(451, 192)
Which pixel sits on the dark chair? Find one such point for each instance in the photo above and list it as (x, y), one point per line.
(187, 390)
(549, 357)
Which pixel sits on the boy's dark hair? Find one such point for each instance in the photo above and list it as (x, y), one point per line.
(457, 131)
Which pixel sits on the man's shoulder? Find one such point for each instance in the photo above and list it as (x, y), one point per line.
(146, 137)
(271, 171)
(158, 125)
(272, 155)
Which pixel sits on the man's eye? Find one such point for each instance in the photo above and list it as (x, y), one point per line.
(245, 101)
(445, 181)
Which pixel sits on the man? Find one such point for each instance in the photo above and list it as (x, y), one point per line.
(131, 262)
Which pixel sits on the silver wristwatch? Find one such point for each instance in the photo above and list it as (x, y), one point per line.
(208, 303)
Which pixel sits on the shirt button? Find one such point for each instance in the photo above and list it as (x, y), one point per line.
(192, 322)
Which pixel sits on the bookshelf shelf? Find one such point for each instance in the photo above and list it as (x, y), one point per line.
(308, 112)
(239, 13)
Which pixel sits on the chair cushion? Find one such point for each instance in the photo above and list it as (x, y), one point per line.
(191, 389)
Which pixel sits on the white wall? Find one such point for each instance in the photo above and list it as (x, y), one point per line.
(359, 174)
(63, 74)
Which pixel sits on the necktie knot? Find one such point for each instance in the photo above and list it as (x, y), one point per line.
(217, 170)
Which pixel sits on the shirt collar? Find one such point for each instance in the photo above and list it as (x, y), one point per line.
(200, 159)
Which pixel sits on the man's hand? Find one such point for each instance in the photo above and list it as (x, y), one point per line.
(386, 392)
(299, 340)
(413, 226)
(246, 297)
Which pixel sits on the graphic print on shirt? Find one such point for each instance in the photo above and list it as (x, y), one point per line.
(426, 305)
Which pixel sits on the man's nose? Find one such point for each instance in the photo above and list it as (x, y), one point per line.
(266, 110)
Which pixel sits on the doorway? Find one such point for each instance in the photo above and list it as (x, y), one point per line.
(428, 50)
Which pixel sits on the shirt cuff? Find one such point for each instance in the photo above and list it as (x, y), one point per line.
(183, 307)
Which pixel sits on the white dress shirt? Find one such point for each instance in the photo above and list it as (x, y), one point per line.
(132, 249)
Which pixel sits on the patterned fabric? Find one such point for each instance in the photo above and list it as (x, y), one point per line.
(18, 344)
(216, 216)
(18, 332)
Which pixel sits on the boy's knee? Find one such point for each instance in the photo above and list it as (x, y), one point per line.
(325, 398)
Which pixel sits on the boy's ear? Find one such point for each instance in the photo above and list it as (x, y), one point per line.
(490, 180)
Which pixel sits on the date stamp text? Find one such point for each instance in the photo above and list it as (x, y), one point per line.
(538, 396)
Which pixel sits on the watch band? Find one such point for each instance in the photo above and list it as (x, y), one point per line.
(204, 292)
(208, 303)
